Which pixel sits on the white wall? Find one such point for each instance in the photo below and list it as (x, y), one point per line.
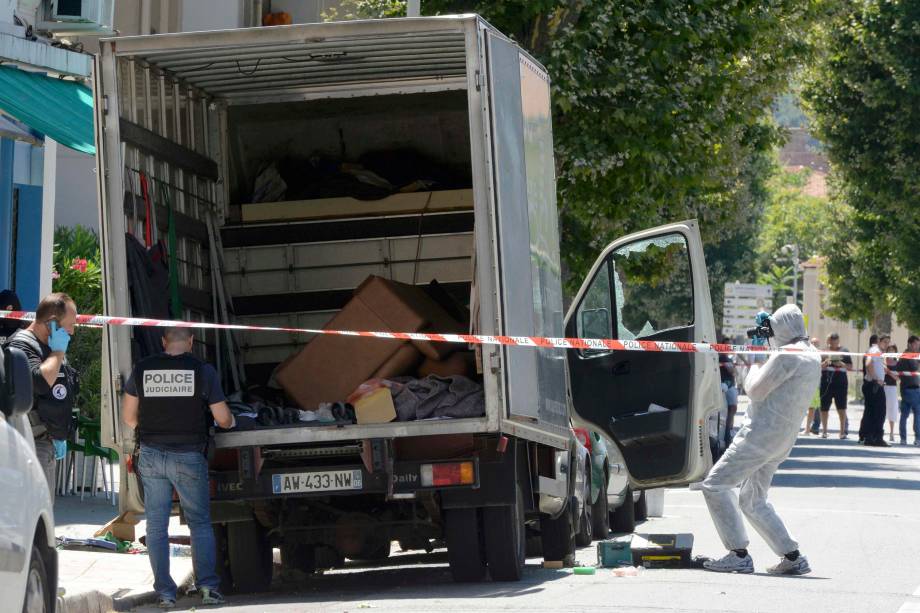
(75, 203)
(198, 15)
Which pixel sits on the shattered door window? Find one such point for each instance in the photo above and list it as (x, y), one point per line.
(653, 286)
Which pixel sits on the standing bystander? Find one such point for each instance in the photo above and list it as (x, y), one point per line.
(834, 383)
(891, 393)
(872, 427)
(910, 390)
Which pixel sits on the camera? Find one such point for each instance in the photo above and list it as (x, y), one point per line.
(762, 331)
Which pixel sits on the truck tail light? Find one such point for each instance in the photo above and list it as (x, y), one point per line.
(584, 436)
(448, 473)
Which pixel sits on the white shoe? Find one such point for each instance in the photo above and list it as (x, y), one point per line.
(788, 567)
(731, 563)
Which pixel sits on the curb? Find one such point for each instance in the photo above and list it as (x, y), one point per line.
(98, 602)
(85, 602)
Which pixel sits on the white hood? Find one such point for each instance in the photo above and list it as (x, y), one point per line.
(788, 325)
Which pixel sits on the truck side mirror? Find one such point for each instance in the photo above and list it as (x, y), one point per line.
(15, 383)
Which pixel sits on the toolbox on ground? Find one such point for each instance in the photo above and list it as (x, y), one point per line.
(615, 552)
(662, 550)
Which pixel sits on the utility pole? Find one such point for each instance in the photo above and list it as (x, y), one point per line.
(413, 8)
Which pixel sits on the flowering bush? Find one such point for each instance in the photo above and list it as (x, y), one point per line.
(78, 273)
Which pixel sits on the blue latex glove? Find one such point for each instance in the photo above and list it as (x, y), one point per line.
(60, 449)
(59, 339)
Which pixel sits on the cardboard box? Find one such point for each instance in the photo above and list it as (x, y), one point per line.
(329, 368)
(400, 364)
(122, 527)
(458, 363)
(376, 408)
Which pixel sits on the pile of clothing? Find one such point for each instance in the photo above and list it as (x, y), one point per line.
(373, 176)
(265, 407)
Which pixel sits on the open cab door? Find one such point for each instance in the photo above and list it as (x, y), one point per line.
(653, 286)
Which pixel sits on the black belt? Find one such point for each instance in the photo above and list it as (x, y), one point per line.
(910, 387)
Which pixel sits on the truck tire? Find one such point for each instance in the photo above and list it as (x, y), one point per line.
(505, 539)
(464, 545)
(585, 535)
(600, 513)
(250, 556)
(558, 537)
(641, 508)
(623, 518)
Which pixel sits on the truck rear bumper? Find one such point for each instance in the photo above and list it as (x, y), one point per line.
(403, 481)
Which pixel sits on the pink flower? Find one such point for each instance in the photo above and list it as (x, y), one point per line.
(55, 274)
(79, 264)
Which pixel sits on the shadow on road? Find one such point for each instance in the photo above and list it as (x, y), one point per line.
(850, 463)
(791, 479)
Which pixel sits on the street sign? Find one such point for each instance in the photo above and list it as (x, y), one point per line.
(741, 304)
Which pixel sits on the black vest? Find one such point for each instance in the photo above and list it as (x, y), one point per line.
(173, 408)
(52, 412)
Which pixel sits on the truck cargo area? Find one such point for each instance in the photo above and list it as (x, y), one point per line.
(347, 176)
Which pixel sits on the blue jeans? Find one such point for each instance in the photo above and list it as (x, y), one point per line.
(161, 471)
(910, 403)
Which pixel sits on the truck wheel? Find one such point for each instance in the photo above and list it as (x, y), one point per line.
(585, 535)
(558, 536)
(641, 508)
(251, 562)
(601, 514)
(623, 517)
(464, 545)
(505, 539)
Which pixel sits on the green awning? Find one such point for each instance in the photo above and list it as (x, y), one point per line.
(62, 110)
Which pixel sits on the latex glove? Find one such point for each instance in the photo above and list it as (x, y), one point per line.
(59, 339)
(60, 449)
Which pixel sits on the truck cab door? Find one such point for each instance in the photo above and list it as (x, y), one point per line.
(653, 286)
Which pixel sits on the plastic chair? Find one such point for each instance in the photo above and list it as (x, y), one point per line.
(106, 456)
(89, 430)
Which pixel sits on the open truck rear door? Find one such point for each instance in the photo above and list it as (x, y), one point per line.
(651, 285)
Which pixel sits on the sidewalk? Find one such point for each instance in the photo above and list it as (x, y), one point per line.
(97, 582)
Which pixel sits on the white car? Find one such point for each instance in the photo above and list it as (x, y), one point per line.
(28, 558)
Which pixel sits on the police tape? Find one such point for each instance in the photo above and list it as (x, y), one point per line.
(544, 342)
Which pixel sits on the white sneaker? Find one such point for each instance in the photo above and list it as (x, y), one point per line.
(731, 563)
(788, 567)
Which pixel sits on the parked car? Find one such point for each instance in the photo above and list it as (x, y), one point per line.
(28, 558)
(611, 503)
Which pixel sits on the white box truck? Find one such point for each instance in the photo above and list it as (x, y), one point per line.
(197, 121)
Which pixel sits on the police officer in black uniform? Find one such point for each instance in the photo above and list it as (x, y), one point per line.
(54, 382)
(171, 400)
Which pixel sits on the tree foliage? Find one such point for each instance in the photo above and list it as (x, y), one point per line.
(862, 94)
(78, 273)
(793, 217)
(659, 113)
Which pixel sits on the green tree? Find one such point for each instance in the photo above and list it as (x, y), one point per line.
(794, 217)
(660, 112)
(862, 95)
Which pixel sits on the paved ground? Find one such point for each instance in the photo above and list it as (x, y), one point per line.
(855, 510)
(93, 580)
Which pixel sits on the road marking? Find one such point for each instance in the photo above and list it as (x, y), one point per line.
(910, 607)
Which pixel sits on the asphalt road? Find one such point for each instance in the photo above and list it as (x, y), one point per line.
(854, 510)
